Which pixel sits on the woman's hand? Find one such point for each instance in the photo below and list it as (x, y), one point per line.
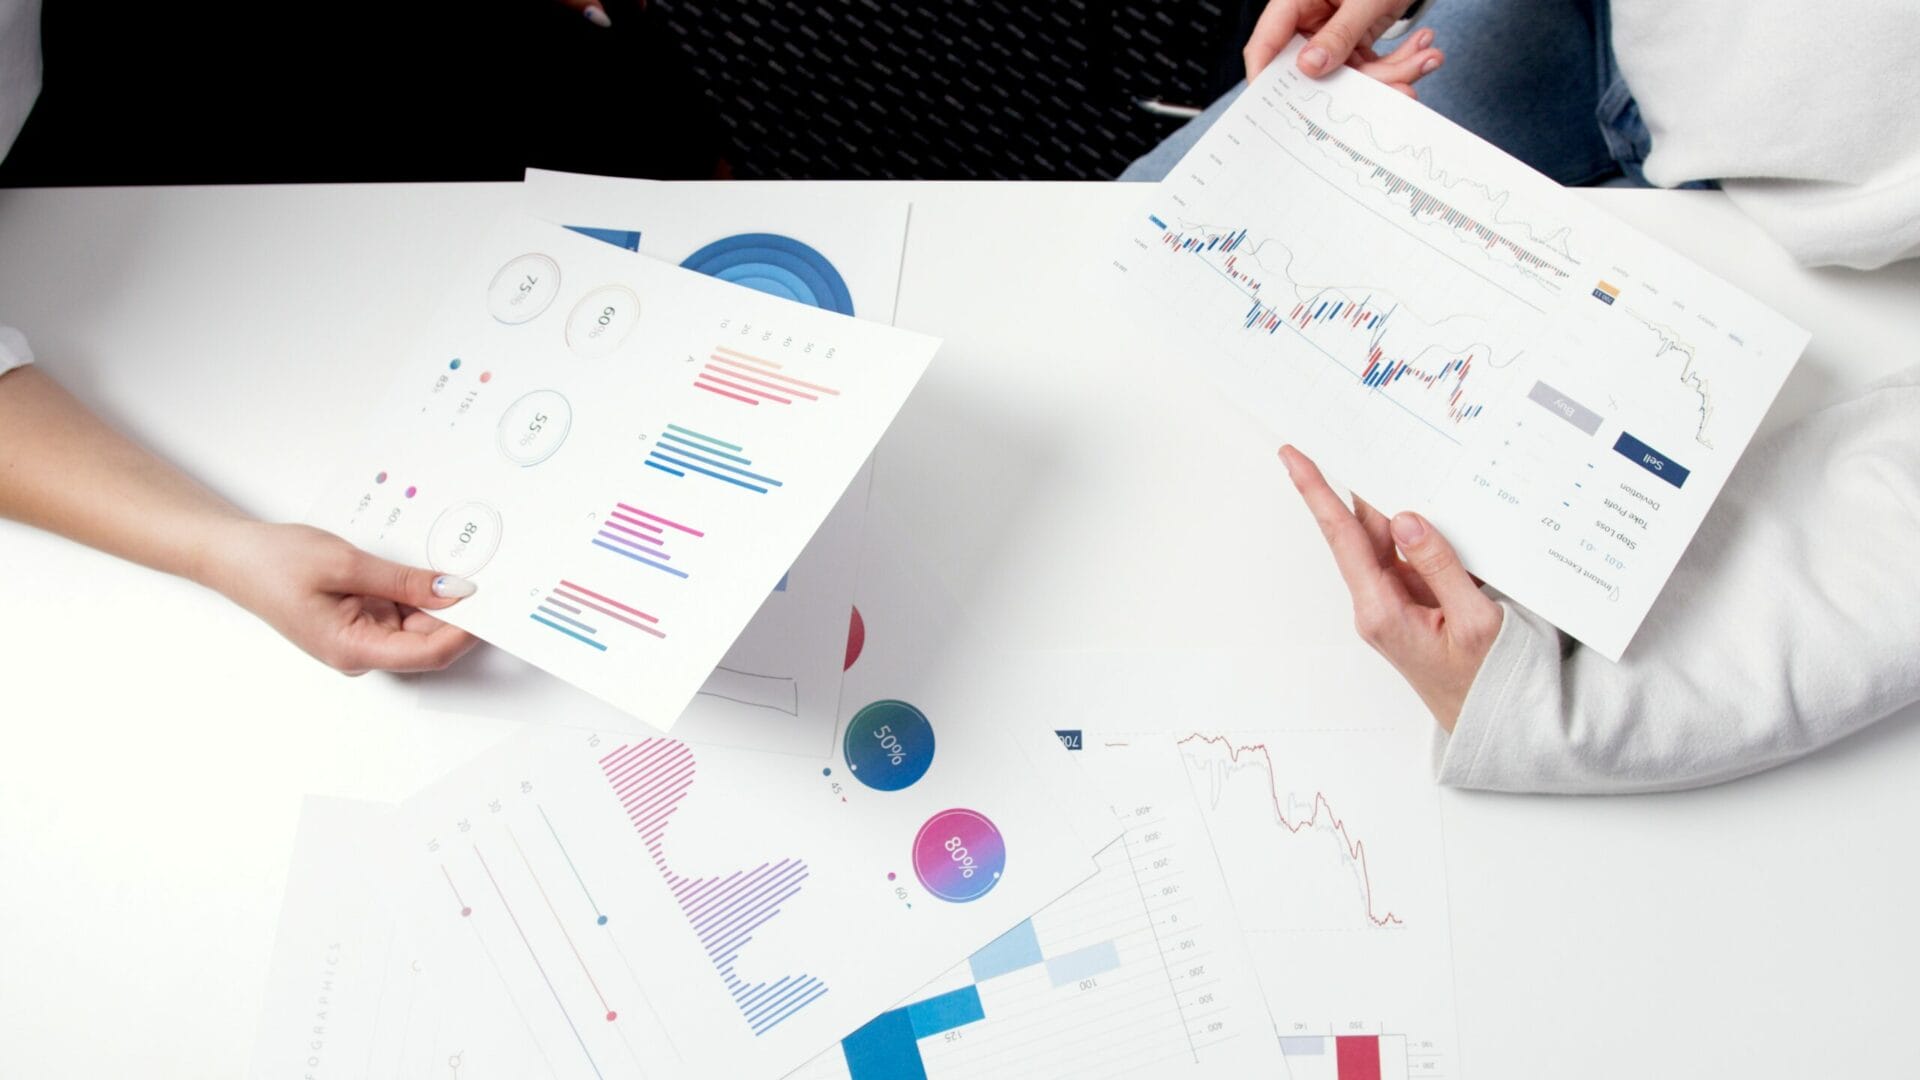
(591, 10)
(346, 608)
(1343, 32)
(1416, 606)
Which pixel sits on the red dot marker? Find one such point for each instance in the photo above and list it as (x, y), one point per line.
(486, 376)
(466, 911)
(612, 1016)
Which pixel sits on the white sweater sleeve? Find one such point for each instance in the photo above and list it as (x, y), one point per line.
(13, 349)
(1793, 620)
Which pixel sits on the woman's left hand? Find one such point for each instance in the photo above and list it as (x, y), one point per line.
(1412, 599)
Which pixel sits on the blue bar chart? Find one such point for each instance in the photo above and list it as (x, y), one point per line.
(683, 452)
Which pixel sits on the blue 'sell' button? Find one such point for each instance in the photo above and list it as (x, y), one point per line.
(1650, 459)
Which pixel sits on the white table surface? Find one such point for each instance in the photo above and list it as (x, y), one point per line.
(155, 742)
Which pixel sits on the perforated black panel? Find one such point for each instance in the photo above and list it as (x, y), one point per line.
(983, 90)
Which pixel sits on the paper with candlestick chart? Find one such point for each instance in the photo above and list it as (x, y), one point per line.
(625, 456)
(1447, 331)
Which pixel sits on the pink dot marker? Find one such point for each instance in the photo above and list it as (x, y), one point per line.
(889, 877)
(612, 1016)
(486, 376)
(380, 478)
(411, 491)
(466, 911)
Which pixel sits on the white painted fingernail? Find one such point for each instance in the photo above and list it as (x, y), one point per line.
(598, 17)
(449, 587)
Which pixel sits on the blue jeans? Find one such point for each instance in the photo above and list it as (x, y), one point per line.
(1534, 77)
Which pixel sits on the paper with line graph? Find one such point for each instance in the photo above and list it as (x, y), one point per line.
(580, 904)
(625, 456)
(1447, 331)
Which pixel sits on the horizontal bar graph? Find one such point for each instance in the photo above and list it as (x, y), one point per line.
(643, 537)
(1346, 1057)
(886, 1047)
(1017, 948)
(685, 453)
(1096, 959)
(580, 614)
(754, 380)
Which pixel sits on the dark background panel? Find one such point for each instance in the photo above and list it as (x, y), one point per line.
(224, 92)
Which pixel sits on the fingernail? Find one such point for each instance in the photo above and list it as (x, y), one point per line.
(1432, 65)
(1423, 39)
(1287, 460)
(1314, 60)
(598, 17)
(449, 587)
(1408, 529)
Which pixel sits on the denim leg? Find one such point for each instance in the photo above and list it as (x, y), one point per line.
(1618, 115)
(1526, 76)
(1155, 164)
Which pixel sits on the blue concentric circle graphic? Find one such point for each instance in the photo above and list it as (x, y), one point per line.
(777, 265)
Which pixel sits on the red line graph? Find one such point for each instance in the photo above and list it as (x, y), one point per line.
(1356, 849)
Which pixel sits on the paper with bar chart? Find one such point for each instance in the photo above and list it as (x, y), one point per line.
(616, 451)
(581, 904)
(831, 248)
(1140, 972)
(1447, 331)
(1313, 803)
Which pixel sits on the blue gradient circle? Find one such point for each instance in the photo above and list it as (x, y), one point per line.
(777, 265)
(889, 745)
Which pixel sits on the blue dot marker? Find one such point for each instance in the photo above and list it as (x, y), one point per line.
(602, 920)
(455, 366)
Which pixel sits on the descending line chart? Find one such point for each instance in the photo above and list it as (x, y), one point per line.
(1331, 848)
(1690, 376)
(651, 778)
(1318, 817)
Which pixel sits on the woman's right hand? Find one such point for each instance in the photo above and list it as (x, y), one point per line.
(1342, 32)
(350, 610)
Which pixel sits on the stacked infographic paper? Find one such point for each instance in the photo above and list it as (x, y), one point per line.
(625, 456)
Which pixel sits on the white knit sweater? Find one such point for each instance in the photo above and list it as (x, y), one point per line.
(1793, 620)
(1808, 115)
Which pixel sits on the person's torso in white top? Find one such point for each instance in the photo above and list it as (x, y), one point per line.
(1808, 115)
